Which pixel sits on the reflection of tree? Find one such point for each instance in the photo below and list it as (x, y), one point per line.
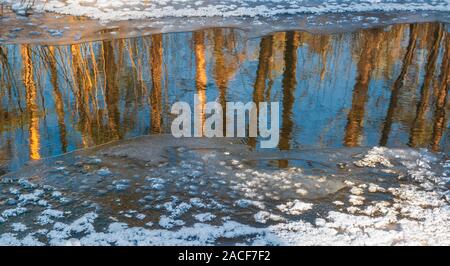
(156, 94)
(370, 41)
(398, 84)
(6, 152)
(32, 107)
(59, 104)
(5, 86)
(7, 76)
(265, 53)
(276, 62)
(81, 86)
(418, 131)
(226, 63)
(319, 45)
(289, 84)
(111, 89)
(440, 124)
(221, 75)
(135, 78)
(389, 51)
(200, 76)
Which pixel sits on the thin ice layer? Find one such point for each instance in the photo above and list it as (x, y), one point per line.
(138, 9)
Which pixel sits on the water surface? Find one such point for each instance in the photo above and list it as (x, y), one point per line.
(384, 86)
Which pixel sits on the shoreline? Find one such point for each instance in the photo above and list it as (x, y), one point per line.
(47, 28)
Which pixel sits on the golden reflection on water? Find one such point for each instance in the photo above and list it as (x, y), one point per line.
(418, 135)
(200, 80)
(32, 108)
(156, 93)
(373, 87)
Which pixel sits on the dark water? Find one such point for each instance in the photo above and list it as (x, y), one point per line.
(386, 86)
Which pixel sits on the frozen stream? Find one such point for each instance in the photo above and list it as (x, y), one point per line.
(86, 155)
